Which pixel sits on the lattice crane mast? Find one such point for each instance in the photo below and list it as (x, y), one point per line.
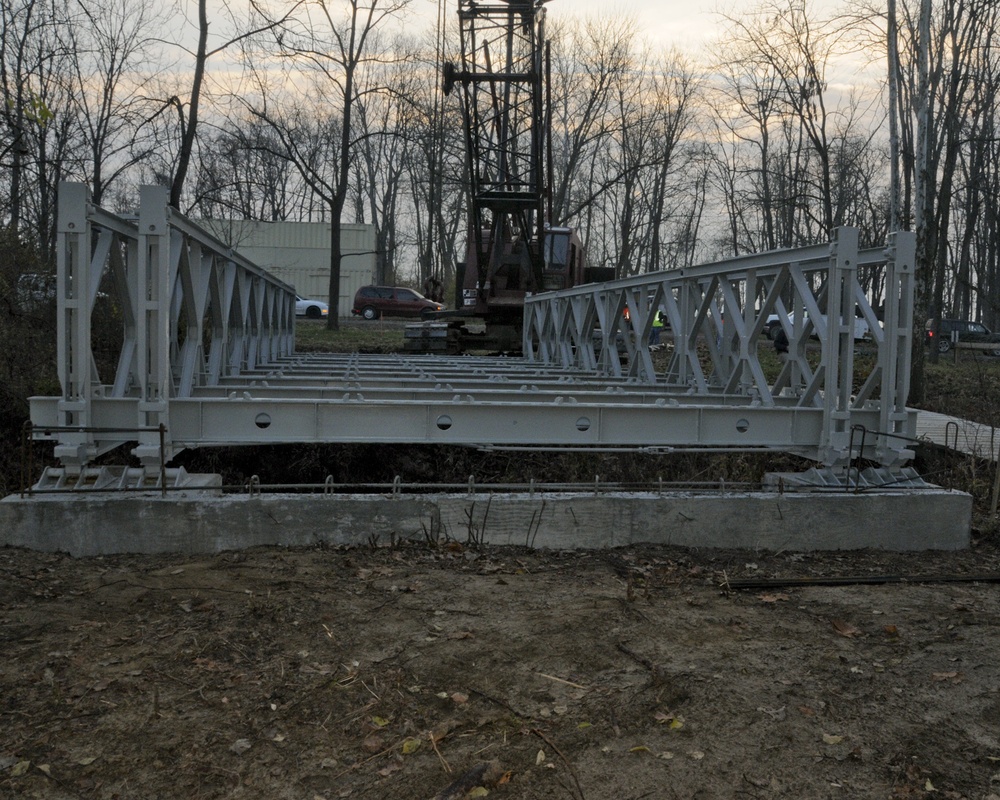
(503, 83)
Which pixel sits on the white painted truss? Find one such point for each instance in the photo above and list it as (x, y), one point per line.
(207, 357)
(191, 312)
(716, 314)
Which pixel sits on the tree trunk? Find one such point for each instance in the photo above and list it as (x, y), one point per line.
(190, 126)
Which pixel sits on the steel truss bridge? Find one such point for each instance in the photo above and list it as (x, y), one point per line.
(206, 356)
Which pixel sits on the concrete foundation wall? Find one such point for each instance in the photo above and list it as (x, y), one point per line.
(98, 525)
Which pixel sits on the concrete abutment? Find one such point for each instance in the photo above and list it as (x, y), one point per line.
(196, 522)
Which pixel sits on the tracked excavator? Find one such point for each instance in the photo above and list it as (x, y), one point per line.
(503, 86)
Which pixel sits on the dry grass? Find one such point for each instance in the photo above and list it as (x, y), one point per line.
(354, 336)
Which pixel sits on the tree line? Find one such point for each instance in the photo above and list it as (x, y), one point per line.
(315, 110)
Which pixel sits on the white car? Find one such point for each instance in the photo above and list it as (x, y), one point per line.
(772, 326)
(313, 309)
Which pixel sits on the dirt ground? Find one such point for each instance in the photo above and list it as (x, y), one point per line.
(420, 671)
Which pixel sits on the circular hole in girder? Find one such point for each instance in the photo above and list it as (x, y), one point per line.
(262, 420)
(583, 424)
(742, 425)
(444, 422)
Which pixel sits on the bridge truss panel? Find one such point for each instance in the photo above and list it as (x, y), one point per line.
(181, 309)
(205, 357)
(715, 316)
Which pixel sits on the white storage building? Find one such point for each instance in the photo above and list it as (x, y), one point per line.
(299, 253)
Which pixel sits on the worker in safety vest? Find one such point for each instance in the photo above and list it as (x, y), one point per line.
(654, 334)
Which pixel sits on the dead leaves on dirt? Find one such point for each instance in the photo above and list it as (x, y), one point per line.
(671, 719)
(844, 629)
(475, 782)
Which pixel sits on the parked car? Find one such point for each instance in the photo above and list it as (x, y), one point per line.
(35, 289)
(313, 309)
(372, 302)
(773, 324)
(971, 332)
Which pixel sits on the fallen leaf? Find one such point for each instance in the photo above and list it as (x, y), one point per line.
(441, 730)
(583, 726)
(772, 598)
(639, 749)
(240, 746)
(410, 745)
(697, 755)
(891, 630)
(540, 757)
(954, 677)
(843, 628)
(929, 787)
(86, 760)
(373, 743)
(19, 768)
(458, 698)
(379, 722)
(461, 635)
(673, 721)
(479, 791)
(831, 739)
(806, 711)
(46, 769)
(391, 767)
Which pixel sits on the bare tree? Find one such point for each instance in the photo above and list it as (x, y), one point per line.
(385, 133)
(109, 48)
(588, 60)
(32, 60)
(435, 169)
(620, 119)
(328, 53)
(242, 174)
(789, 52)
(260, 21)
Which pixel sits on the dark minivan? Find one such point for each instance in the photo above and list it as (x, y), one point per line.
(372, 302)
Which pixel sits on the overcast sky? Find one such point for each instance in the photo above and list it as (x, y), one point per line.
(687, 25)
(684, 24)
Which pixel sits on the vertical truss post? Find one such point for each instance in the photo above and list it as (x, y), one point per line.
(895, 353)
(837, 342)
(155, 274)
(74, 358)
